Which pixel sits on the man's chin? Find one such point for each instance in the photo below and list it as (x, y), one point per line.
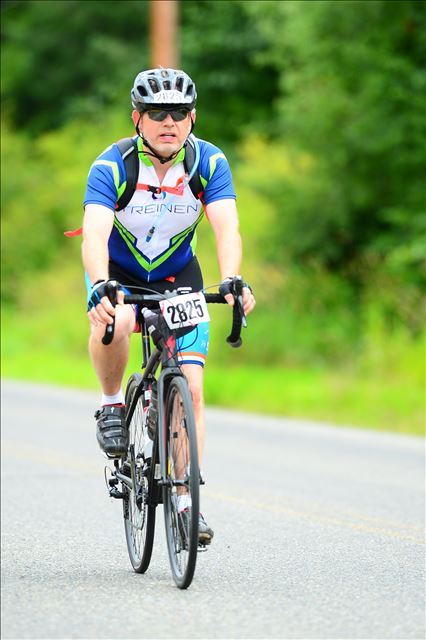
(167, 149)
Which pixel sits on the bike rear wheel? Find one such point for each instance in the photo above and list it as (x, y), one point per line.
(182, 483)
(139, 517)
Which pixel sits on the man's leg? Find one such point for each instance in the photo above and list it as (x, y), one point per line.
(194, 375)
(109, 363)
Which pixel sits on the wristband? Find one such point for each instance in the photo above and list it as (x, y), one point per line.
(100, 289)
(226, 286)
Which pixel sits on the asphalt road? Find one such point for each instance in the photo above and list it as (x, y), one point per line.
(319, 532)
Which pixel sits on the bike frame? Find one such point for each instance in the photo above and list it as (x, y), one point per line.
(146, 475)
(170, 369)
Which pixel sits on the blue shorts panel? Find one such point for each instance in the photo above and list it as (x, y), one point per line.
(193, 347)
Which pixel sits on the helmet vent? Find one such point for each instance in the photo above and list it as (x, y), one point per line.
(154, 85)
(179, 84)
(166, 84)
(142, 91)
(190, 90)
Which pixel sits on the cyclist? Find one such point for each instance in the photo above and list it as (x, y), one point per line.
(151, 242)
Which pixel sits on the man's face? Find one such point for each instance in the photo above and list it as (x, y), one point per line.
(166, 136)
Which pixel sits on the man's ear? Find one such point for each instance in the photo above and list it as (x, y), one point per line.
(135, 117)
(193, 116)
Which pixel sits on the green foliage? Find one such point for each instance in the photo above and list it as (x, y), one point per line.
(63, 60)
(352, 116)
(220, 46)
(378, 396)
(42, 195)
(321, 107)
(86, 55)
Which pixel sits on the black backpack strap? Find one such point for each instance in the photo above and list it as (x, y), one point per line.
(195, 183)
(128, 148)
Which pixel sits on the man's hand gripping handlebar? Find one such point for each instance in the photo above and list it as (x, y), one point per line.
(233, 286)
(100, 290)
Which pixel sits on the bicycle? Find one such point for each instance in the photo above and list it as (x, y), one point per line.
(162, 459)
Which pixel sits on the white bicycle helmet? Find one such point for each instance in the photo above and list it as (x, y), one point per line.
(167, 87)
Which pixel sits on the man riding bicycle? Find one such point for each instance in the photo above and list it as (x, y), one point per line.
(151, 242)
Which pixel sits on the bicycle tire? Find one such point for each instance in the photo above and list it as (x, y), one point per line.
(182, 466)
(139, 517)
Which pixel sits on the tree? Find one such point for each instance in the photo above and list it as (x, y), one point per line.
(353, 102)
(84, 55)
(68, 59)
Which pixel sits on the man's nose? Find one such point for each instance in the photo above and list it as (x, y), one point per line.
(168, 119)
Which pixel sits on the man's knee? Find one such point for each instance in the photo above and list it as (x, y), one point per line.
(124, 325)
(196, 389)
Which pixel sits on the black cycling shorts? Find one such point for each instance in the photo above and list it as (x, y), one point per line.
(189, 277)
(193, 343)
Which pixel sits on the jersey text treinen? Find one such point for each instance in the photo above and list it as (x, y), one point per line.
(154, 235)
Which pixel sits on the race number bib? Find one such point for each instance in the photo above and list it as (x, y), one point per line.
(185, 311)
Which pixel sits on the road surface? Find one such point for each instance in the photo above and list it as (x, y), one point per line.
(319, 532)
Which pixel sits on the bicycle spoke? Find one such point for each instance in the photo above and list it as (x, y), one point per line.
(181, 493)
(139, 518)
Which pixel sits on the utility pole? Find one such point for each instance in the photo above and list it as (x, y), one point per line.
(163, 33)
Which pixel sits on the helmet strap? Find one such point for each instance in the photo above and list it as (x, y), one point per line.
(154, 153)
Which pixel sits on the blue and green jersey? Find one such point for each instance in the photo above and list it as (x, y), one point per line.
(175, 216)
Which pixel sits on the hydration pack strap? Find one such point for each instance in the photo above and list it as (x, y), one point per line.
(189, 160)
(177, 190)
(128, 149)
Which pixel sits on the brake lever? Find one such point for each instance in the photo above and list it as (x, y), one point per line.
(241, 308)
(111, 290)
(238, 296)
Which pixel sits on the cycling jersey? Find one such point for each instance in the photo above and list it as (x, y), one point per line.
(154, 235)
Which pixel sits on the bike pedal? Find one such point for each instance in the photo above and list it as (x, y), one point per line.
(115, 493)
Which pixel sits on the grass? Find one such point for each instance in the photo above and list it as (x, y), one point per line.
(327, 396)
(336, 397)
(383, 389)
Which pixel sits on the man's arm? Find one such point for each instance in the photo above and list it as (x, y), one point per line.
(223, 217)
(97, 225)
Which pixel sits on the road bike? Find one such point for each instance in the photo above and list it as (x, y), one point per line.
(161, 464)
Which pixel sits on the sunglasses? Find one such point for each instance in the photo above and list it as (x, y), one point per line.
(158, 115)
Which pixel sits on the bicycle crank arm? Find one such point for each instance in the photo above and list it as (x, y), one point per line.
(124, 479)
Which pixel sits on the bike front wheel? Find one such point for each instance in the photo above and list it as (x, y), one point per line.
(139, 516)
(182, 483)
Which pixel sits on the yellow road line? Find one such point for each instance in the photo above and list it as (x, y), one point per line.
(51, 457)
(70, 462)
(314, 517)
